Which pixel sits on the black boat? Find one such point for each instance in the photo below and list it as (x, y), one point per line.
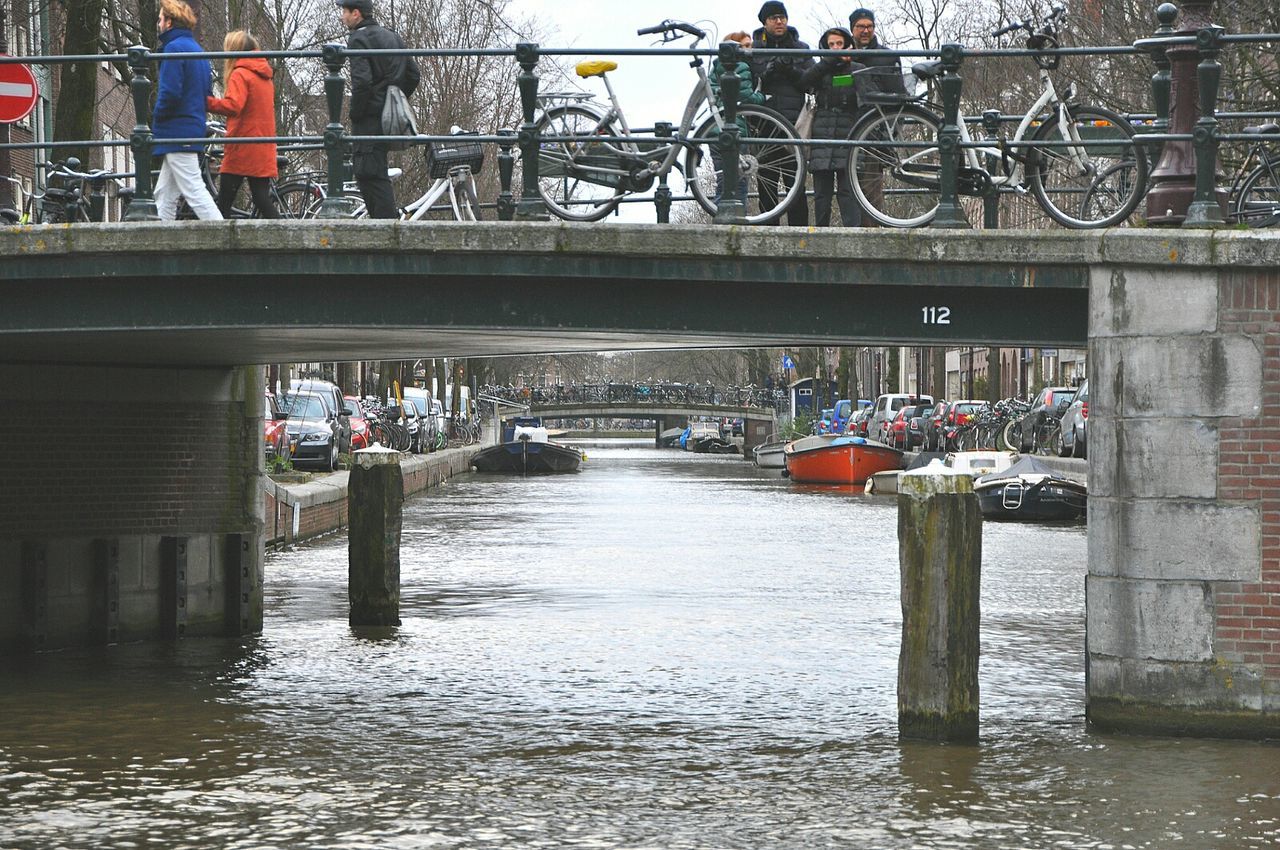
(525, 449)
(1030, 490)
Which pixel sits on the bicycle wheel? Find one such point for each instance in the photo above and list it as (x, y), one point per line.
(1047, 437)
(467, 201)
(1258, 204)
(897, 185)
(566, 181)
(1011, 436)
(298, 200)
(776, 167)
(1091, 185)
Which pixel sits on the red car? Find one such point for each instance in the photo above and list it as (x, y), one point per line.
(274, 434)
(897, 428)
(360, 435)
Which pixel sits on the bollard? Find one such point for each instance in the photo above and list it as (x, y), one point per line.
(950, 214)
(142, 206)
(730, 210)
(336, 204)
(662, 195)
(506, 167)
(375, 497)
(1207, 209)
(940, 558)
(1173, 180)
(531, 206)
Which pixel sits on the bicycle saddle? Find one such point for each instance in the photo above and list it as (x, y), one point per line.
(1263, 130)
(927, 70)
(595, 68)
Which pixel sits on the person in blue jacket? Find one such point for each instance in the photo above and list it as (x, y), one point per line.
(180, 114)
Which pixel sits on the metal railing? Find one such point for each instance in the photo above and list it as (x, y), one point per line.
(1190, 55)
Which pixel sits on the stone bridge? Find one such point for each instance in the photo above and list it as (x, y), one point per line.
(133, 411)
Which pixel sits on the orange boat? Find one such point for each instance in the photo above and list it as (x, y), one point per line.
(838, 459)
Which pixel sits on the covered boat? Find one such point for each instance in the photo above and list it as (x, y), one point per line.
(838, 459)
(1030, 490)
(525, 448)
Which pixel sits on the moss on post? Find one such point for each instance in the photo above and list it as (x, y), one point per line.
(375, 498)
(940, 556)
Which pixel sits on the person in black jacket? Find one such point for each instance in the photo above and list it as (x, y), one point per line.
(883, 76)
(780, 81)
(831, 81)
(370, 76)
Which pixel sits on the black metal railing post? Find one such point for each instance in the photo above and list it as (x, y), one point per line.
(336, 204)
(991, 200)
(662, 195)
(506, 168)
(730, 209)
(950, 214)
(142, 206)
(1206, 209)
(531, 206)
(1162, 80)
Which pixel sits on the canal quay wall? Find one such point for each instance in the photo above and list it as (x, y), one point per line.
(298, 511)
(1183, 592)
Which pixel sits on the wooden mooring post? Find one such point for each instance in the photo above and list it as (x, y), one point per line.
(375, 499)
(940, 557)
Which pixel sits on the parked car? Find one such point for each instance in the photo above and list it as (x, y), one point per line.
(933, 439)
(1073, 435)
(860, 421)
(1052, 402)
(915, 426)
(959, 413)
(313, 429)
(897, 432)
(886, 407)
(333, 398)
(360, 432)
(420, 400)
(442, 423)
(275, 432)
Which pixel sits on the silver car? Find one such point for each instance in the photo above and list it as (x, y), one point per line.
(1073, 435)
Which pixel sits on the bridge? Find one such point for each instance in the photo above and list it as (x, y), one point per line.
(126, 355)
(758, 422)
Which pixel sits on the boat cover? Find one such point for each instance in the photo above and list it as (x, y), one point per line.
(1025, 465)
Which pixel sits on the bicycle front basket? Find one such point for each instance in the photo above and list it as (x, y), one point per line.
(458, 151)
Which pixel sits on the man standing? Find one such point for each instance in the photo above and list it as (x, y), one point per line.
(780, 83)
(883, 76)
(180, 114)
(370, 76)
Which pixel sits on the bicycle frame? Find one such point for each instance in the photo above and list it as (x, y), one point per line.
(1049, 96)
(450, 184)
(659, 160)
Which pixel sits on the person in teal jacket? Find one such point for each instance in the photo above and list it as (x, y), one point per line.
(747, 93)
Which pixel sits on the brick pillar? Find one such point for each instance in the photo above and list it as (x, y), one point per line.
(1183, 594)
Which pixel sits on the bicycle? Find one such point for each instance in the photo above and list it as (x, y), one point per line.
(67, 197)
(1255, 193)
(1094, 178)
(583, 177)
(21, 213)
(211, 156)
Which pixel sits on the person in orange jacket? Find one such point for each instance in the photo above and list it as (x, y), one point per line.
(251, 113)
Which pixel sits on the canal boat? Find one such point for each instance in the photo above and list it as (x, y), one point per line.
(526, 449)
(838, 459)
(979, 463)
(770, 455)
(701, 433)
(670, 437)
(1030, 490)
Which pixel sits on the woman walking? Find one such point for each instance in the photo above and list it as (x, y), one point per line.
(831, 82)
(251, 112)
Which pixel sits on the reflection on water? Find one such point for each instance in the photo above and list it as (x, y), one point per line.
(664, 650)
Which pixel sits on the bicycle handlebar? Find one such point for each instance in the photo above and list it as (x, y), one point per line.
(1005, 30)
(64, 170)
(672, 26)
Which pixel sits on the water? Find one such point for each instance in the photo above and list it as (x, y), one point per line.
(661, 651)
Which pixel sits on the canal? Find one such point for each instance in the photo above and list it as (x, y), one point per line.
(664, 650)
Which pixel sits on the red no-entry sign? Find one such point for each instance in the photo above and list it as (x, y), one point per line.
(18, 93)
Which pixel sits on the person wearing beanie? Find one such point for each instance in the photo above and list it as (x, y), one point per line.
(370, 77)
(883, 76)
(780, 82)
(837, 104)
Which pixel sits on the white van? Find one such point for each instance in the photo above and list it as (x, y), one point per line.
(886, 408)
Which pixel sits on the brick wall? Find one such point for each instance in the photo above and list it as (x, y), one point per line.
(1248, 613)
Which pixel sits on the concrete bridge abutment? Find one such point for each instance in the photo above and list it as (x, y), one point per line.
(132, 508)
(1183, 592)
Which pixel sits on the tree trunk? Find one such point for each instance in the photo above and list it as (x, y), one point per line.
(78, 87)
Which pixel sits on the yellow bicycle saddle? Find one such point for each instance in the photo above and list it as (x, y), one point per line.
(595, 68)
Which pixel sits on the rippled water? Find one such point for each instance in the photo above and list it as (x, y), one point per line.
(661, 651)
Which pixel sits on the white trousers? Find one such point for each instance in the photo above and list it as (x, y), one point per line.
(180, 177)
